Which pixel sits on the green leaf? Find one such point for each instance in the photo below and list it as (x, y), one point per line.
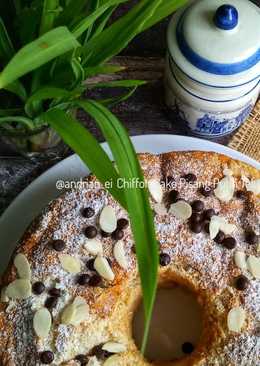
(113, 101)
(6, 47)
(93, 5)
(89, 20)
(38, 53)
(138, 206)
(17, 88)
(102, 69)
(44, 94)
(78, 71)
(117, 36)
(117, 84)
(70, 12)
(165, 9)
(23, 120)
(103, 20)
(49, 13)
(87, 147)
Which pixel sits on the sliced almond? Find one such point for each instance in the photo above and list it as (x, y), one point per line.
(82, 311)
(236, 319)
(254, 186)
(22, 265)
(114, 347)
(76, 313)
(93, 361)
(160, 209)
(19, 289)
(218, 223)
(240, 260)
(155, 189)
(4, 297)
(42, 321)
(182, 210)
(120, 255)
(103, 268)
(69, 263)
(258, 248)
(94, 247)
(68, 314)
(107, 219)
(253, 264)
(225, 189)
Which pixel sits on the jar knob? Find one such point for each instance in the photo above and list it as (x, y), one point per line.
(226, 17)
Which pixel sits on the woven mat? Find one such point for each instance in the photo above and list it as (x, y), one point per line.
(247, 139)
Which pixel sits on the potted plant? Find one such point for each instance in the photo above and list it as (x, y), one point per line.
(47, 51)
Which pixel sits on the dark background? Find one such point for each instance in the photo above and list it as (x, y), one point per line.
(144, 113)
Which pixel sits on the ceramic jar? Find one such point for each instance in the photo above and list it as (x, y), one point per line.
(212, 75)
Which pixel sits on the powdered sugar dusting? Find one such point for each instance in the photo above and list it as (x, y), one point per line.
(196, 257)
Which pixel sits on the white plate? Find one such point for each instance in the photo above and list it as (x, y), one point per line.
(37, 195)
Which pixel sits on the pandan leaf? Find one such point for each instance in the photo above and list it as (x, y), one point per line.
(38, 53)
(89, 150)
(117, 84)
(49, 13)
(138, 206)
(84, 24)
(117, 36)
(6, 47)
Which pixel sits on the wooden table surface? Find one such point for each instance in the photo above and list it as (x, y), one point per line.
(144, 113)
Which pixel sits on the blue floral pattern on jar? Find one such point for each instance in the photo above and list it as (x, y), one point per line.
(211, 124)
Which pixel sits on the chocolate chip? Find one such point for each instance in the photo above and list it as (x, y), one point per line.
(105, 235)
(196, 227)
(206, 227)
(241, 283)
(196, 217)
(173, 196)
(51, 302)
(197, 206)
(251, 237)
(58, 245)
(56, 292)
(209, 213)
(165, 259)
(88, 212)
(190, 177)
(241, 195)
(206, 191)
(46, 357)
(38, 288)
(82, 359)
(91, 232)
(122, 223)
(83, 279)
(90, 264)
(100, 353)
(95, 281)
(187, 348)
(118, 234)
(229, 243)
(220, 237)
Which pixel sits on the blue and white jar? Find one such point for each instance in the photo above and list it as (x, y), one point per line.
(213, 65)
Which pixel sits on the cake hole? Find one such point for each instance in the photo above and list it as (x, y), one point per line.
(176, 327)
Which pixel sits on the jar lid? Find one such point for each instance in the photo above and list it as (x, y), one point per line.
(217, 43)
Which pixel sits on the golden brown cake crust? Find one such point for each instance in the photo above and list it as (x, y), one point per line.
(196, 261)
